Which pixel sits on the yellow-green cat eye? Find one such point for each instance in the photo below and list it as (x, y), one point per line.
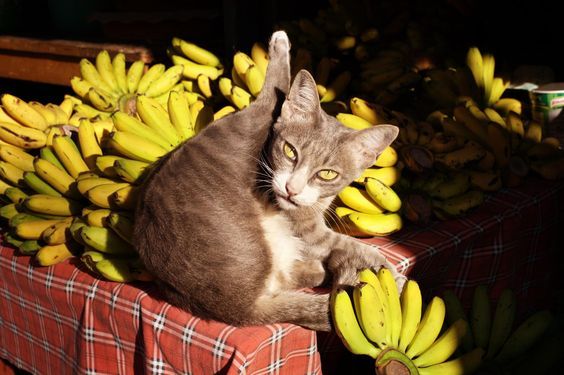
(290, 151)
(327, 174)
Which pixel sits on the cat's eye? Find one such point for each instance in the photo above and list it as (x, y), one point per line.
(290, 151)
(327, 174)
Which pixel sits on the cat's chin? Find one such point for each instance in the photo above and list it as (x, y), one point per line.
(285, 204)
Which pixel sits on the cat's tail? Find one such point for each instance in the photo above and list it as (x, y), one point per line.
(277, 79)
(293, 306)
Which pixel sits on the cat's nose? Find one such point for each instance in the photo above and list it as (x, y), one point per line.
(290, 190)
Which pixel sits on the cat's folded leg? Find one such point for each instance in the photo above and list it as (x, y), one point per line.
(308, 274)
(277, 80)
(345, 264)
(306, 309)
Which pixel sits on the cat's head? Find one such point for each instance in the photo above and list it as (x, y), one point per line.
(314, 156)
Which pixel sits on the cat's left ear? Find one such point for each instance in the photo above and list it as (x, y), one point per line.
(369, 143)
(302, 102)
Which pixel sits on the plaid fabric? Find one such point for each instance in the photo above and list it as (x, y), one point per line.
(61, 320)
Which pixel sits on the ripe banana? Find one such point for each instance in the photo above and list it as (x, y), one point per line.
(106, 70)
(179, 113)
(165, 82)
(337, 87)
(32, 229)
(131, 171)
(260, 57)
(105, 164)
(21, 136)
(46, 153)
(15, 195)
(57, 233)
(90, 73)
(48, 204)
(119, 70)
(196, 53)
(444, 346)
(411, 309)
(223, 111)
(457, 184)
(23, 112)
(100, 195)
(353, 121)
(359, 200)
(465, 364)
(382, 194)
(135, 147)
(134, 74)
(105, 240)
(69, 155)
(156, 117)
(460, 204)
(428, 329)
(475, 62)
(89, 147)
(394, 305)
(507, 105)
(88, 183)
(347, 327)
(381, 224)
(126, 123)
(387, 175)
(126, 197)
(388, 158)
(192, 70)
(370, 313)
(50, 255)
(97, 217)
(11, 174)
(149, 77)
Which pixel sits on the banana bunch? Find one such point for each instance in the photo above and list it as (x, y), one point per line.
(494, 331)
(108, 84)
(482, 68)
(31, 125)
(395, 329)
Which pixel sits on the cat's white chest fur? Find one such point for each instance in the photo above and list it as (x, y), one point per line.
(284, 247)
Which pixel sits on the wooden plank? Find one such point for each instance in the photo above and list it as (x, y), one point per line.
(73, 48)
(38, 69)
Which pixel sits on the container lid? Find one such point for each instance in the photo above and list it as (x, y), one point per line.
(550, 88)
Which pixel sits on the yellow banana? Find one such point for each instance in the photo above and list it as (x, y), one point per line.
(388, 158)
(347, 327)
(134, 74)
(119, 70)
(382, 194)
(202, 115)
(69, 155)
(15, 195)
(506, 105)
(126, 198)
(126, 123)
(488, 73)
(88, 183)
(223, 111)
(156, 117)
(90, 73)
(260, 57)
(129, 170)
(105, 164)
(57, 233)
(23, 113)
(394, 306)
(48, 204)
(4, 117)
(17, 157)
(193, 70)
(98, 217)
(32, 229)
(80, 86)
(179, 114)
(47, 114)
(196, 53)
(88, 111)
(480, 317)
(411, 309)
(475, 62)
(165, 82)
(502, 323)
(89, 147)
(359, 200)
(497, 90)
(240, 97)
(370, 313)
(21, 136)
(106, 70)
(105, 240)
(101, 100)
(152, 74)
(100, 195)
(429, 328)
(11, 174)
(115, 269)
(57, 178)
(444, 346)
(465, 364)
(135, 147)
(242, 62)
(204, 85)
(381, 224)
(388, 175)
(368, 111)
(353, 121)
(61, 115)
(254, 79)
(50, 255)
(8, 211)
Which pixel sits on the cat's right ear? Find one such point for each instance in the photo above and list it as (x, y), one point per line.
(302, 103)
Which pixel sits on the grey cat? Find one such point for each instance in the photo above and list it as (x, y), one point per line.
(232, 223)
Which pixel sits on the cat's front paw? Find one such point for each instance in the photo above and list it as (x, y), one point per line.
(279, 44)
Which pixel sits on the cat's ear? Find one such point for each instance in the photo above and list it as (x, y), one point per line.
(368, 144)
(302, 103)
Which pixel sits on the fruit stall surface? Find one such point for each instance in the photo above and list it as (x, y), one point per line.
(469, 196)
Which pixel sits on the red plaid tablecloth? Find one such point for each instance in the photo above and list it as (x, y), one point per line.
(61, 320)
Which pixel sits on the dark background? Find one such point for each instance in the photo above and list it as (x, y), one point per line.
(516, 33)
